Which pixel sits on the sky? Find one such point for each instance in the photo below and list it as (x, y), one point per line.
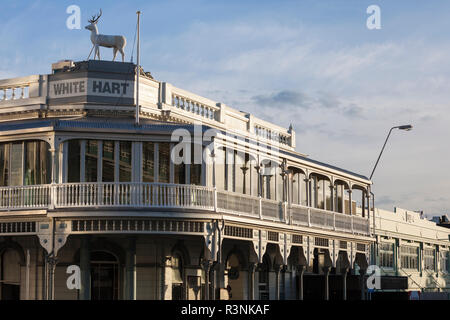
(314, 64)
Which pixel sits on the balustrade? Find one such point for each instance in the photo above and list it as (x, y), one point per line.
(163, 195)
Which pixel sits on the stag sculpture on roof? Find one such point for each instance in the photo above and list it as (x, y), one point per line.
(100, 40)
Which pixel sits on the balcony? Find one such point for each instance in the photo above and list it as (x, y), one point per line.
(175, 196)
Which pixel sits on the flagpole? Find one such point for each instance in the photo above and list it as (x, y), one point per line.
(138, 69)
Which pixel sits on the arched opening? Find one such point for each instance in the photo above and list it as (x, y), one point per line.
(10, 275)
(320, 187)
(360, 205)
(271, 181)
(298, 186)
(236, 278)
(341, 203)
(104, 276)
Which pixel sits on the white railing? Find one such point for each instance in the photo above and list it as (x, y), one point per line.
(330, 220)
(195, 107)
(124, 194)
(272, 210)
(25, 197)
(163, 195)
(236, 203)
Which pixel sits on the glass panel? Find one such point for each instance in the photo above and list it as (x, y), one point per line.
(327, 191)
(303, 189)
(220, 169)
(4, 164)
(164, 162)
(74, 154)
(279, 184)
(295, 191)
(196, 169)
(239, 170)
(125, 161)
(91, 159)
(148, 162)
(180, 170)
(108, 161)
(255, 178)
(16, 164)
(31, 164)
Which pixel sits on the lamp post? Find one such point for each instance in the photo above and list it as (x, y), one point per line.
(407, 127)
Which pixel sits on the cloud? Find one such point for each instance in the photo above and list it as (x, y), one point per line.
(284, 98)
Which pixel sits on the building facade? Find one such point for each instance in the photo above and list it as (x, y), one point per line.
(196, 200)
(409, 246)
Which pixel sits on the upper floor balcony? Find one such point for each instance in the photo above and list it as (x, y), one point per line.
(165, 196)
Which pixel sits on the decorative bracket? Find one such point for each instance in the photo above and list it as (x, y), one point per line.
(260, 243)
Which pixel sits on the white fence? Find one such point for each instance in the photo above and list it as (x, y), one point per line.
(163, 195)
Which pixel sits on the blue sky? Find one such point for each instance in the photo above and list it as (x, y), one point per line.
(310, 63)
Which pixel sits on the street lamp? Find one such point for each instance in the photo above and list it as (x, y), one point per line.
(406, 127)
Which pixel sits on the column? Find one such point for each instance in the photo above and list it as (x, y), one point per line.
(362, 273)
(350, 202)
(130, 271)
(277, 269)
(51, 265)
(206, 265)
(85, 269)
(344, 283)
(251, 280)
(300, 271)
(326, 271)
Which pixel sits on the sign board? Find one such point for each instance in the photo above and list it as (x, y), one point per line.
(91, 87)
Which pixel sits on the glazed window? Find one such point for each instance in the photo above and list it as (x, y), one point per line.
(108, 161)
(74, 158)
(164, 162)
(90, 160)
(25, 163)
(125, 161)
(148, 162)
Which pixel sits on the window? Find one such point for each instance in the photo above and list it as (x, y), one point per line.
(148, 162)
(429, 259)
(74, 155)
(25, 163)
(4, 164)
(91, 158)
(108, 161)
(180, 170)
(37, 163)
(444, 263)
(196, 168)
(409, 257)
(164, 162)
(386, 255)
(125, 161)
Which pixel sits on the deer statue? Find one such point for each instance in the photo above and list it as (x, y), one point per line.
(100, 40)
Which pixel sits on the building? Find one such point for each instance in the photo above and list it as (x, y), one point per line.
(409, 246)
(83, 185)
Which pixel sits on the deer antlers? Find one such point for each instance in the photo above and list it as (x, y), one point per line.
(95, 18)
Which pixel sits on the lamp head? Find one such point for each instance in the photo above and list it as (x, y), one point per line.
(406, 127)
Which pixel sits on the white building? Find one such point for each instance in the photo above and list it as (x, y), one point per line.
(81, 184)
(409, 245)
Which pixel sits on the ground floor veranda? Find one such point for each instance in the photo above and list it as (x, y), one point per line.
(165, 267)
